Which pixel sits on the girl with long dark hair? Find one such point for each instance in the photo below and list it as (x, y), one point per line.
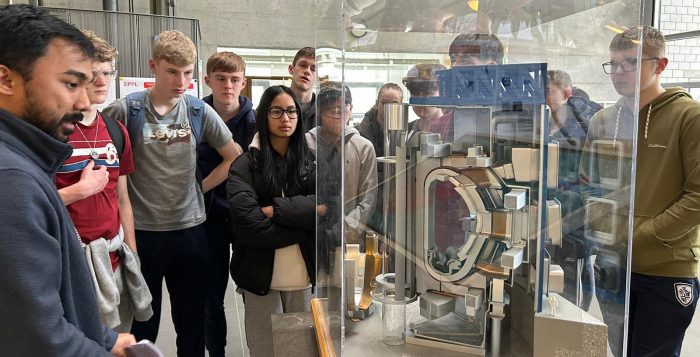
(271, 192)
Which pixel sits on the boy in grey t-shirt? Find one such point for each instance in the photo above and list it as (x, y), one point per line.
(166, 196)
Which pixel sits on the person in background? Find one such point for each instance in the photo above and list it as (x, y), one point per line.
(360, 171)
(92, 184)
(422, 82)
(226, 78)
(271, 190)
(568, 124)
(303, 71)
(469, 49)
(372, 125)
(372, 129)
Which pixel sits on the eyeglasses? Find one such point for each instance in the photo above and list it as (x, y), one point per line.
(333, 111)
(107, 74)
(276, 112)
(627, 65)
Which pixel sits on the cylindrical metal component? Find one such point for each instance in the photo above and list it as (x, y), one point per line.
(396, 116)
(496, 336)
(400, 226)
(159, 7)
(110, 5)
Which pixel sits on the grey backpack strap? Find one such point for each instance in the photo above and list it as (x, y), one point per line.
(115, 133)
(195, 107)
(135, 103)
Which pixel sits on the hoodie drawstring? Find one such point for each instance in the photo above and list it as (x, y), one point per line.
(646, 126)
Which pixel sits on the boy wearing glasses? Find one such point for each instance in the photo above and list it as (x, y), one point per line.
(167, 190)
(92, 184)
(665, 244)
(360, 177)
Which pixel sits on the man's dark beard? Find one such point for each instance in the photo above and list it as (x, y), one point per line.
(37, 116)
(70, 118)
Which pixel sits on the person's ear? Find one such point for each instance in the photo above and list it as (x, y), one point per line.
(206, 81)
(8, 81)
(661, 65)
(152, 65)
(567, 93)
(348, 113)
(290, 68)
(244, 81)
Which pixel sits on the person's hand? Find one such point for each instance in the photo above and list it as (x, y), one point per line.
(124, 340)
(321, 210)
(93, 180)
(268, 211)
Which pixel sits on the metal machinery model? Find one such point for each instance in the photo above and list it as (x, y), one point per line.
(472, 218)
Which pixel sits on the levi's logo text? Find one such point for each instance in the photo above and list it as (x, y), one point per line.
(167, 133)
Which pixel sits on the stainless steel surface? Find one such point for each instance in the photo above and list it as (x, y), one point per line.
(396, 116)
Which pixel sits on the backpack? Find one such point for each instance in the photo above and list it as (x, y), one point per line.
(135, 118)
(115, 133)
(135, 115)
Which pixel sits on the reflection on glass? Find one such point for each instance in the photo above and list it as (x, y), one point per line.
(451, 227)
(608, 156)
(472, 247)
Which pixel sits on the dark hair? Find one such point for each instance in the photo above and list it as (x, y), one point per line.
(25, 34)
(330, 91)
(289, 173)
(304, 52)
(487, 46)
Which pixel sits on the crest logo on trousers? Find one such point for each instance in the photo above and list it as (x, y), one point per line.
(684, 293)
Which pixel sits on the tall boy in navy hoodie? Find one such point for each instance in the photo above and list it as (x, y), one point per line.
(226, 78)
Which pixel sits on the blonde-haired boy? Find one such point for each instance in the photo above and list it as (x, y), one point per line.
(166, 189)
(174, 47)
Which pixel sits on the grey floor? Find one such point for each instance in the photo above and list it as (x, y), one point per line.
(236, 337)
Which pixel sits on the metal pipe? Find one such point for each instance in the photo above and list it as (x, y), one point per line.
(396, 116)
(110, 5)
(496, 336)
(400, 227)
(158, 7)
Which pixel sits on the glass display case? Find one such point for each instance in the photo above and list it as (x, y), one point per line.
(499, 224)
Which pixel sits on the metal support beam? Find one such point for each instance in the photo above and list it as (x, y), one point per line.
(159, 7)
(110, 5)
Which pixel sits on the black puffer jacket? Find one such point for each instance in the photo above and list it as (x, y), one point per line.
(257, 236)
